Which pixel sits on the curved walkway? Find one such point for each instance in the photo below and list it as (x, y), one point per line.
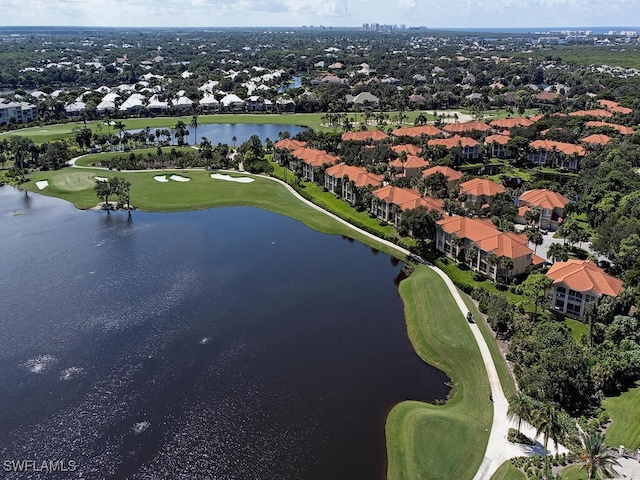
(499, 449)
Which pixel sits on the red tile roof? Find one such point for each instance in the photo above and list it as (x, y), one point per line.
(363, 136)
(566, 148)
(499, 139)
(314, 157)
(407, 198)
(451, 174)
(428, 130)
(289, 144)
(596, 112)
(511, 122)
(615, 107)
(543, 198)
(584, 276)
(486, 236)
(619, 128)
(481, 186)
(607, 103)
(466, 127)
(596, 139)
(408, 148)
(452, 142)
(412, 161)
(359, 175)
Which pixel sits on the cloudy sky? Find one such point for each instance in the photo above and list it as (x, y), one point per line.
(231, 13)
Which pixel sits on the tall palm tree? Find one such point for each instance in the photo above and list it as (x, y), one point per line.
(194, 123)
(234, 140)
(180, 132)
(597, 460)
(547, 423)
(558, 253)
(121, 127)
(520, 407)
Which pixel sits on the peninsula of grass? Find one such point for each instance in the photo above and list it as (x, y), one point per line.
(624, 411)
(427, 441)
(508, 471)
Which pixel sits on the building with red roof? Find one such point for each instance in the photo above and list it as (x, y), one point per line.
(411, 167)
(550, 205)
(509, 123)
(407, 148)
(417, 131)
(389, 202)
(469, 149)
(596, 112)
(614, 107)
(311, 158)
(497, 143)
(364, 136)
(596, 139)
(481, 190)
(468, 127)
(483, 238)
(452, 176)
(559, 154)
(622, 129)
(577, 283)
(334, 180)
(289, 144)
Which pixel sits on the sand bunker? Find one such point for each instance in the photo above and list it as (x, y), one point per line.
(178, 178)
(101, 179)
(229, 178)
(42, 184)
(161, 178)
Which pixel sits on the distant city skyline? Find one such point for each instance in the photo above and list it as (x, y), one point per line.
(453, 14)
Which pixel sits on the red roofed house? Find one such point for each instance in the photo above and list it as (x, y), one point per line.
(467, 127)
(577, 283)
(410, 168)
(497, 143)
(453, 176)
(596, 139)
(334, 178)
(289, 144)
(614, 107)
(549, 204)
(364, 136)
(389, 202)
(509, 123)
(619, 128)
(470, 149)
(407, 148)
(427, 130)
(312, 158)
(559, 154)
(481, 190)
(596, 112)
(483, 237)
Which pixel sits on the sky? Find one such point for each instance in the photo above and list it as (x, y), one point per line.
(295, 13)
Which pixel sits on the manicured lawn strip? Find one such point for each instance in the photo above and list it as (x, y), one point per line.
(624, 411)
(578, 329)
(507, 471)
(440, 441)
(506, 379)
(575, 472)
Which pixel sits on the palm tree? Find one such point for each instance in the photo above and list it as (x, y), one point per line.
(121, 127)
(180, 132)
(194, 124)
(547, 423)
(455, 242)
(558, 253)
(234, 140)
(492, 261)
(597, 460)
(520, 407)
(505, 265)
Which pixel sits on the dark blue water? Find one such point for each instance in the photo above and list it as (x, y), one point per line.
(228, 343)
(224, 132)
(297, 82)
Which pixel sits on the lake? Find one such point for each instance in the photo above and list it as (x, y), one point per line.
(228, 343)
(224, 132)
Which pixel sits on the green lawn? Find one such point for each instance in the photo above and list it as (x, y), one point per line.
(507, 471)
(574, 472)
(93, 158)
(624, 411)
(440, 441)
(578, 329)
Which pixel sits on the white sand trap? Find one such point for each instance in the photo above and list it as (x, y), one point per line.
(42, 184)
(101, 179)
(178, 178)
(229, 178)
(161, 178)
